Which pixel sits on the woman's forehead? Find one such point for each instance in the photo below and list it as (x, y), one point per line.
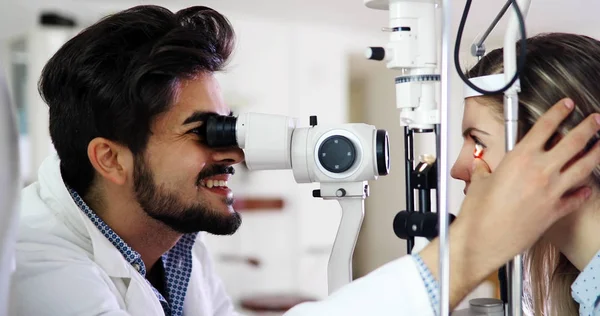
(474, 109)
(478, 112)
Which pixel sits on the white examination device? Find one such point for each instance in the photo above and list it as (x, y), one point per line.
(342, 158)
(412, 50)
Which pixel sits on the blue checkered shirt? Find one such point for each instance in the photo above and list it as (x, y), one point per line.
(431, 284)
(586, 288)
(177, 262)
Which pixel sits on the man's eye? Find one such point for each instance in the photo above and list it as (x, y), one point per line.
(200, 132)
(197, 131)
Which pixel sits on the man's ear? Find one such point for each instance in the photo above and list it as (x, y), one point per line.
(112, 161)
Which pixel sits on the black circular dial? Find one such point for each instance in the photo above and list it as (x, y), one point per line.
(337, 154)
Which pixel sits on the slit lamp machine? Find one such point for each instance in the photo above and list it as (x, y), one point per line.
(343, 158)
(412, 51)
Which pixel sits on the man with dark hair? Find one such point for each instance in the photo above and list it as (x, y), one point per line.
(112, 225)
(133, 183)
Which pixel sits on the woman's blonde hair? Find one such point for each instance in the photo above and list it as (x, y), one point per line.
(558, 65)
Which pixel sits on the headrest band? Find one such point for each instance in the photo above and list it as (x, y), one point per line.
(489, 83)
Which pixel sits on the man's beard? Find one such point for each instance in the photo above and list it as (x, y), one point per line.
(167, 208)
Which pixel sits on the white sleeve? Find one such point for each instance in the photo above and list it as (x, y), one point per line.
(396, 288)
(55, 281)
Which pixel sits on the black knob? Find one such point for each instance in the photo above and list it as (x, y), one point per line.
(337, 154)
(317, 193)
(376, 53)
(313, 120)
(400, 225)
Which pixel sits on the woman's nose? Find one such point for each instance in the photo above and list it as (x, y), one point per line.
(454, 171)
(460, 169)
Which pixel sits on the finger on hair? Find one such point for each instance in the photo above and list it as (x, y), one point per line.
(571, 202)
(580, 169)
(547, 124)
(575, 141)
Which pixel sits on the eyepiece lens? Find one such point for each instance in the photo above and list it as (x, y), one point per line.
(382, 148)
(220, 131)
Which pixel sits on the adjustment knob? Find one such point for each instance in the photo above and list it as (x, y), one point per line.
(337, 154)
(375, 53)
(313, 120)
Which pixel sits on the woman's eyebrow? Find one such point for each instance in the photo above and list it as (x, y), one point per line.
(473, 129)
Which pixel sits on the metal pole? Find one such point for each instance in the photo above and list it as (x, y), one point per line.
(494, 23)
(410, 201)
(443, 158)
(511, 119)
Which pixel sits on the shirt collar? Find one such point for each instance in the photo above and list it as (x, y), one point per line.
(586, 288)
(177, 261)
(130, 255)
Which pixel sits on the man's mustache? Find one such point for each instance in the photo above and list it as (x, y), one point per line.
(215, 170)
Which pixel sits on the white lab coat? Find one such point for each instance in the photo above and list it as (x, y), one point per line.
(66, 267)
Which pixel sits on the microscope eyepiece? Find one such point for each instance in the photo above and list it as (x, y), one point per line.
(221, 131)
(382, 147)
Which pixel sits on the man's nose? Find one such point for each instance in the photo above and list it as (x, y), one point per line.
(231, 155)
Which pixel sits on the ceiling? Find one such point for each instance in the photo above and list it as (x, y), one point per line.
(545, 15)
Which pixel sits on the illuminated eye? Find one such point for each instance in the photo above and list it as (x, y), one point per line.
(478, 152)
